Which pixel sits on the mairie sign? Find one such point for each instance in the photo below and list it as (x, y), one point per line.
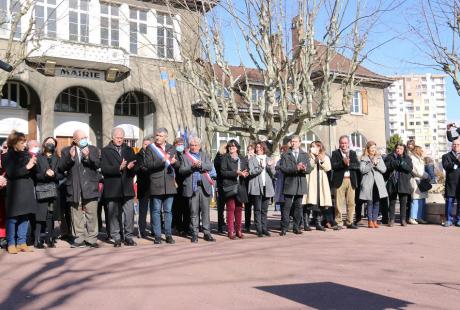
(80, 73)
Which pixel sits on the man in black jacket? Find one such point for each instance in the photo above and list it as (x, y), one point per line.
(451, 163)
(345, 166)
(143, 187)
(294, 164)
(117, 165)
(80, 162)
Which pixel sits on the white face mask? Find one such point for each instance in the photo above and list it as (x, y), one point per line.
(35, 150)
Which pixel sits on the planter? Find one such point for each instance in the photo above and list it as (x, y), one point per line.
(435, 205)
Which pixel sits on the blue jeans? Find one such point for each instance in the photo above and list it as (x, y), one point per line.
(17, 225)
(156, 203)
(373, 210)
(449, 208)
(416, 209)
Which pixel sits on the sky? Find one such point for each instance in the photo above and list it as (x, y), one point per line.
(402, 54)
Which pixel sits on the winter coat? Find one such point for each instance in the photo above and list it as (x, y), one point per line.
(339, 168)
(451, 165)
(20, 189)
(255, 184)
(82, 180)
(228, 170)
(143, 176)
(418, 173)
(318, 177)
(43, 164)
(186, 171)
(372, 174)
(295, 182)
(117, 184)
(162, 178)
(399, 172)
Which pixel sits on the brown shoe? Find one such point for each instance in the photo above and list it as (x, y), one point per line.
(12, 249)
(23, 248)
(376, 225)
(370, 224)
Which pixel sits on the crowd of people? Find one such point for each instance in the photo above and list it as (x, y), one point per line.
(176, 183)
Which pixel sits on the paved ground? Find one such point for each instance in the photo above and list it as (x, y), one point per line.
(388, 268)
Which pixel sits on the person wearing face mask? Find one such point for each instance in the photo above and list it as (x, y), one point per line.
(318, 197)
(21, 203)
(180, 210)
(81, 161)
(47, 177)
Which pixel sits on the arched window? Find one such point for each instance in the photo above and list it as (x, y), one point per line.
(130, 103)
(358, 140)
(74, 99)
(15, 95)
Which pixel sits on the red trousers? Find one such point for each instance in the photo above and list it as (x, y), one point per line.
(234, 215)
(2, 218)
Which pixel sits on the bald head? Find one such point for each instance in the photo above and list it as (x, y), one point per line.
(78, 135)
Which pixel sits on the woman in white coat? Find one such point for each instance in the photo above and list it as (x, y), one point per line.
(318, 197)
(373, 187)
(418, 197)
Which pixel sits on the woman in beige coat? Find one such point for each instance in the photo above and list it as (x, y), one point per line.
(318, 198)
(418, 198)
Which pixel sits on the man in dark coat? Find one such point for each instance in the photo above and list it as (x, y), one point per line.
(143, 187)
(117, 166)
(451, 164)
(294, 164)
(80, 162)
(345, 165)
(197, 187)
(160, 160)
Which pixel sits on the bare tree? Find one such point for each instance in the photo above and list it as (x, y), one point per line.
(438, 30)
(20, 42)
(298, 75)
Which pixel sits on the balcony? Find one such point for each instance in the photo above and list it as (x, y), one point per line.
(79, 55)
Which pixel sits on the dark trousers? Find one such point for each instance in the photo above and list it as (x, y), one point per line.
(359, 209)
(294, 202)
(143, 209)
(181, 214)
(260, 213)
(402, 204)
(247, 215)
(102, 205)
(220, 209)
(310, 212)
(384, 208)
(117, 209)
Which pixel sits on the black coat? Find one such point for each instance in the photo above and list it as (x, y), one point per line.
(143, 176)
(217, 163)
(43, 164)
(228, 171)
(295, 182)
(117, 184)
(451, 164)
(399, 171)
(20, 191)
(162, 178)
(82, 175)
(2, 173)
(339, 168)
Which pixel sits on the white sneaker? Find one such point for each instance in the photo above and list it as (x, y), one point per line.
(413, 222)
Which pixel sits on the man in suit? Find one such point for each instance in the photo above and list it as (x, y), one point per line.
(345, 166)
(451, 163)
(117, 165)
(143, 187)
(294, 164)
(195, 167)
(80, 162)
(160, 160)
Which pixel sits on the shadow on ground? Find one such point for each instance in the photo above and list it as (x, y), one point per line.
(328, 295)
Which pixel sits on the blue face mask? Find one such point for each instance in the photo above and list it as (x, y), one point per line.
(83, 143)
(180, 148)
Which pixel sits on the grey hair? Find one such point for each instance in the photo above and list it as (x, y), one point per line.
(118, 129)
(148, 138)
(295, 137)
(162, 129)
(195, 139)
(343, 137)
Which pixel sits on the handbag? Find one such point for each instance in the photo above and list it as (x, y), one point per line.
(230, 191)
(46, 191)
(392, 186)
(424, 185)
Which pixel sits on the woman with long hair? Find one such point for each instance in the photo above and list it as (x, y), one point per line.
(47, 176)
(318, 198)
(372, 189)
(21, 203)
(418, 197)
(234, 170)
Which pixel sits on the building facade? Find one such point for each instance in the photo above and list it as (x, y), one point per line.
(98, 65)
(415, 108)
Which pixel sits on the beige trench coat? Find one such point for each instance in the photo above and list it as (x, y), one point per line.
(418, 173)
(325, 190)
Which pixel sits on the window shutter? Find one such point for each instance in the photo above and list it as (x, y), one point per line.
(364, 101)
